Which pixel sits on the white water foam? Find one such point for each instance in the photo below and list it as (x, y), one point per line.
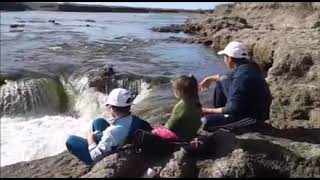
(55, 48)
(36, 138)
(145, 91)
(29, 138)
(24, 139)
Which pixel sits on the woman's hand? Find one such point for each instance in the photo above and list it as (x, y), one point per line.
(205, 83)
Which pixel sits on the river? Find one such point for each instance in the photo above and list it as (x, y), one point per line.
(45, 64)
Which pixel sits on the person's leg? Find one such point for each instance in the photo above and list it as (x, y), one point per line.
(212, 122)
(219, 98)
(226, 81)
(221, 91)
(98, 126)
(78, 146)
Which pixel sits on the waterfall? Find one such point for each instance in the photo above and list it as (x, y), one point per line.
(32, 96)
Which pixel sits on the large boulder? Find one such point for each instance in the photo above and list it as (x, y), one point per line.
(126, 163)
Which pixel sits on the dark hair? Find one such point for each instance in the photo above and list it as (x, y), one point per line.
(240, 61)
(187, 86)
(121, 109)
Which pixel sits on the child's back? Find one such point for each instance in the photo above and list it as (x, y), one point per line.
(185, 119)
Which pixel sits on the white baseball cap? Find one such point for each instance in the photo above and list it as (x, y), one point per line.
(235, 49)
(119, 97)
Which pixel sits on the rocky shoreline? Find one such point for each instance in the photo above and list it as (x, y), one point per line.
(283, 38)
(236, 155)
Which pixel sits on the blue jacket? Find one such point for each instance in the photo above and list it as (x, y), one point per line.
(249, 94)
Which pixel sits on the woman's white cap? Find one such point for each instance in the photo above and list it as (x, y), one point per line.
(235, 49)
(119, 97)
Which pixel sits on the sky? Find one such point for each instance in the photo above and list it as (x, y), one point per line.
(169, 5)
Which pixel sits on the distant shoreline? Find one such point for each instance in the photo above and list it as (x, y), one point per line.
(72, 7)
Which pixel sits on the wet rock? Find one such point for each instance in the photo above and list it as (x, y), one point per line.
(2, 80)
(17, 25)
(207, 42)
(89, 20)
(101, 78)
(173, 28)
(36, 21)
(176, 39)
(105, 79)
(16, 30)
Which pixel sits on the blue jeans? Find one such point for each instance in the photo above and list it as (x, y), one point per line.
(221, 92)
(78, 146)
(220, 95)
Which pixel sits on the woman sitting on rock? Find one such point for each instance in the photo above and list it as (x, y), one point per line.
(242, 97)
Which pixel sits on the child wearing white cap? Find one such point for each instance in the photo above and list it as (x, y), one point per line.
(106, 138)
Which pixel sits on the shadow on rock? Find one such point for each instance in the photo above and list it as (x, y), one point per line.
(295, 134)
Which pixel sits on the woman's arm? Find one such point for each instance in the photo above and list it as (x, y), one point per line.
(205, 83)
(212, 110)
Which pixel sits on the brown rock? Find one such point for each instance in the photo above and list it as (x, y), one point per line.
(123, 164)
(63, 165)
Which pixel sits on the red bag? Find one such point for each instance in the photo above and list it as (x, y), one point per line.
(165, 134)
